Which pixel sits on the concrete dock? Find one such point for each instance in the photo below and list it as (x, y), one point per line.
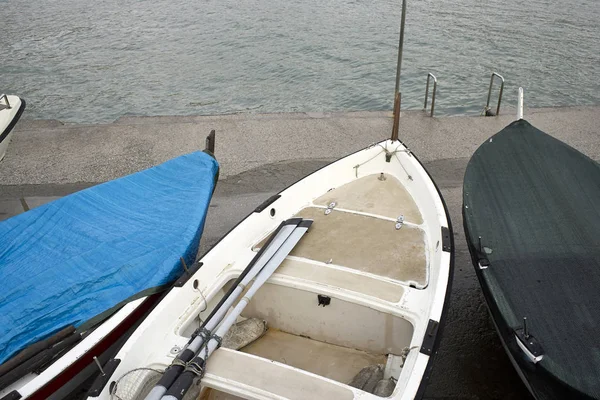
(260, 154)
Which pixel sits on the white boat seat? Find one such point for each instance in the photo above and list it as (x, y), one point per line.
(354, 281)
(324, 359)
(265, 375)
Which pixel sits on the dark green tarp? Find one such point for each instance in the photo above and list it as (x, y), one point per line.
(535, 202)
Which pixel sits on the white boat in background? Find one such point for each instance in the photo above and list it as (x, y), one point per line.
(355, 308)
(11, 108)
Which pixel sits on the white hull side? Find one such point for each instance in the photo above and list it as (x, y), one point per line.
(7, 117)
(408, 312)
(29, 385)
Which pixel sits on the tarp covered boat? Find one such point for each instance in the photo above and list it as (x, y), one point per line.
(11, 109)
(353, 310)
(532, 223)
(77, 260)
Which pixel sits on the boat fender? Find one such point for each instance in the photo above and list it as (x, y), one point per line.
(446, 242)
(429, 339)
(368, 378)
(245, 332)
(385, 387)
(102, 379)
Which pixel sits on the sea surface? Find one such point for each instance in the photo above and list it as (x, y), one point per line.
(94, 61)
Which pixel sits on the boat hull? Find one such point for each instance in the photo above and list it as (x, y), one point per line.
(343, 280)
(70, 360)
(530, 219)
(72, 368)
(8, 120)
(547, 386)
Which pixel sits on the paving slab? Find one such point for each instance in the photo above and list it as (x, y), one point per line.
(10, 208)
(44, 152)
(36, 201)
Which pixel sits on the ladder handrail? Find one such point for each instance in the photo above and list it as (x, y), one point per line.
(487, 105)
(430, 75)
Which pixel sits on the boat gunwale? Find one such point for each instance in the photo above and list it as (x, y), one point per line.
(114, 325)
(423, 365)
(444, 311)
(4, 134)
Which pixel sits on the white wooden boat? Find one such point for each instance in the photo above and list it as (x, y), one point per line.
(11, 108)
(366, 286)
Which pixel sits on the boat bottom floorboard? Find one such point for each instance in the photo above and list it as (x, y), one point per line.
(330, 361)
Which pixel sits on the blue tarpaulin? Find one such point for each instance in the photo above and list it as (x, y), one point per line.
(70, 260)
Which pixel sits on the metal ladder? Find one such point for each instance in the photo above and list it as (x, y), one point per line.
(430, 75)
(487, 110)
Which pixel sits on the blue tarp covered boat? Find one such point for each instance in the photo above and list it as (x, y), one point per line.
(77, 259)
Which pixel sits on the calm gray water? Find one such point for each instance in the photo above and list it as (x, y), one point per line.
(94, 61)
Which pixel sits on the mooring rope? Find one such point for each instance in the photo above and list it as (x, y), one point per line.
(388, 154)
(404, 353)
(194, 366)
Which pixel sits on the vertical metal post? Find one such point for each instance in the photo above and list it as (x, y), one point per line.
(426, 94)
(99, 365)
(500, 97)
(400, 47)
(397, 95)
(210, 142)
(520, 105)
(487, 104)
(396, 124)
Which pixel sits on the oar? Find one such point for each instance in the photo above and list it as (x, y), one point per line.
(197, 366)
(197, 340)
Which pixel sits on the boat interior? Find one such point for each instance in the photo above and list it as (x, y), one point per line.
(347, 311)
(354, 246)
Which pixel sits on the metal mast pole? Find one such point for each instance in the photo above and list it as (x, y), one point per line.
(397, 96)
(400, 46)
